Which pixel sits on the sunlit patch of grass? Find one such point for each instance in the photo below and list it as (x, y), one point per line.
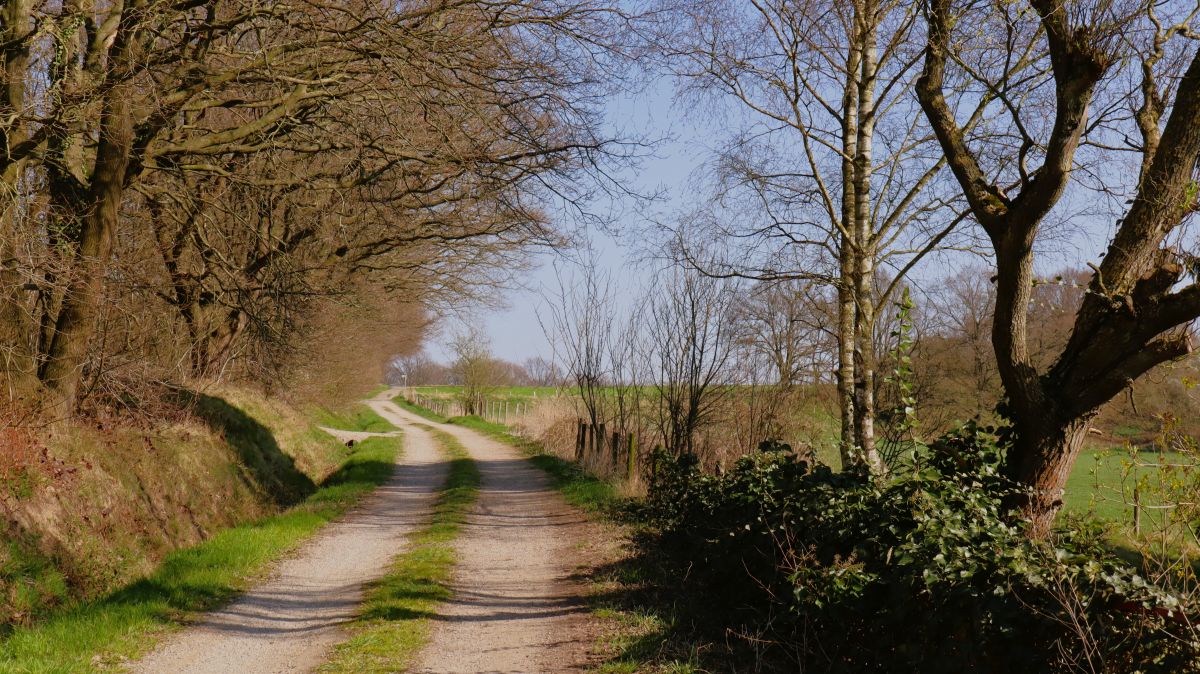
(579, 487)
(358, 418)
(644, 636)
(419, 411)
(91, 636)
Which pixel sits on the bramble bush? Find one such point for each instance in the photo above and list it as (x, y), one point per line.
(924, 572)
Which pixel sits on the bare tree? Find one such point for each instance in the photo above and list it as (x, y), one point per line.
(627, 375)
(833, 163)
(1060, 98)
(543, 372)
(273, 151)
(474, 367)
(955, 352)
(579, 328)
(417, 369)
(788, 323)
(690, 328)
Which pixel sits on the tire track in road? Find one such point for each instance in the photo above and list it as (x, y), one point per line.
(289, 622)
(515, 606)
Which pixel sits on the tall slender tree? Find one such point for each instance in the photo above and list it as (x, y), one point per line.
(831, 173)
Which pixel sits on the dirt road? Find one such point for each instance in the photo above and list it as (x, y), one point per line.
(289, 623)
(515, 607)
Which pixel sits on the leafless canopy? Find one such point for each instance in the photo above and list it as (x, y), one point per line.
(232, 160)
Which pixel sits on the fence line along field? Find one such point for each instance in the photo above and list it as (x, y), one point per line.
(1113, 479)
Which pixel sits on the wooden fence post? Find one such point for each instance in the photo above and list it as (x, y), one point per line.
(601, 439)
(579, 440)
(631, 460)
(615, 450)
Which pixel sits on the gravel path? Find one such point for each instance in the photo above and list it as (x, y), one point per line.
(515, 606)
(289, 623)
(515, 609)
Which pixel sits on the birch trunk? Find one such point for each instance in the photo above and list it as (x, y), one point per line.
(847, 314)
(866, 34)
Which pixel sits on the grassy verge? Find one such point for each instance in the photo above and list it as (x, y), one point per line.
(628, 593)
(95, 635)
(631, 594)
(419, 411)
(580, 488)
(359, 418)
(377, 390)
(395, 620)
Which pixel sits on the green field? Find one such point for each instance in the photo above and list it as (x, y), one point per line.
(1095, 485)
(1102, 483)
(512, 393)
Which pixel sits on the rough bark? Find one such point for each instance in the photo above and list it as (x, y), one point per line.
(848, 366)
(846, 370)
(1131, 318)
(17, 362)
(85, 289)
(866, 32)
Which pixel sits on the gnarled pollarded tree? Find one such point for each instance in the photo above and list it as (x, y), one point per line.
(1078, 86)
(241, 157)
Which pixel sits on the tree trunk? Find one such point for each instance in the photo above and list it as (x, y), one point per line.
(847, 316)
(17, 357)
(1042, 457)
(215, 348)
(864, 384)
(865, 34)
(85, 287)
(845, 372)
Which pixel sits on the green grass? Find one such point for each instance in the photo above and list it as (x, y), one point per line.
(580, 488)
(644, 637)
(394, 623)
(377, 390)
(641, 630)
(1099, 483)
(419, 411)
(637, 645)
(513, 393)
(358, 418)
(91, 636)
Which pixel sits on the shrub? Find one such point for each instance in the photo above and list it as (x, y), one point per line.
(926, 572)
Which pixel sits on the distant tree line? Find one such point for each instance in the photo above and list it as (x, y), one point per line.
(421, 369)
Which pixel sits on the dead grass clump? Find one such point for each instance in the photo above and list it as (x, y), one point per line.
(552, 423)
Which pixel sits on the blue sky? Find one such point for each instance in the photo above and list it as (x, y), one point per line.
(680, 148)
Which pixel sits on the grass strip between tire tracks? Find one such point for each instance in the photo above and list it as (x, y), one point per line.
(645, 635)
(580, 488)
(99, 635)
(395, 621)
